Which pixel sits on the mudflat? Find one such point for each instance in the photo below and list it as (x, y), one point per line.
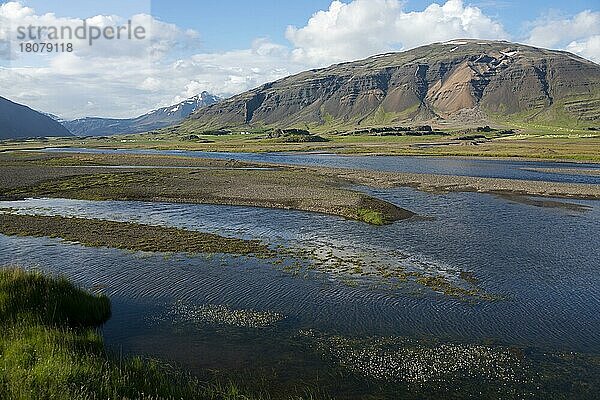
(212, 182)
(128, 236)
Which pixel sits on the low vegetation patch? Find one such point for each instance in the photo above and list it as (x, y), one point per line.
(128, 236)
(443, 285)
(294, 136)
(371, 216)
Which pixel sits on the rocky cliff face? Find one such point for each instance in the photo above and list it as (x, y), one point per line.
(458, 82)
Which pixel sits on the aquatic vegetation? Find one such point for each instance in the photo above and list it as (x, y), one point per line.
(469, 277)
(398, 359)
(434, 369)
(394, 271)
(352, 267)
(441, 284)
(220, 314)
(371, 216)
(350, 282)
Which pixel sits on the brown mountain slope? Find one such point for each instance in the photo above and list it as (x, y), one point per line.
(457, 82)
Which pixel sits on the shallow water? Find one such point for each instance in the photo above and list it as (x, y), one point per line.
(539, 263)
(484, 168)
(542, 262)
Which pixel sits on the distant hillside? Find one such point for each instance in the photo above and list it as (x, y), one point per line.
(461, 82)
(18, 122)
(166, 116)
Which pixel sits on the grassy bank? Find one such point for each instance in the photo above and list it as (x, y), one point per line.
(50, 348)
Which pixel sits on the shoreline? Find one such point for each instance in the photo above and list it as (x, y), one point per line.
(230, 182)
(345, 154)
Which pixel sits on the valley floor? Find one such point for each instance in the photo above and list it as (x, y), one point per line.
(555, 145)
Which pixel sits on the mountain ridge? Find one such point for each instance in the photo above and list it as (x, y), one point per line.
(460, 82)
(18, 121)
(155, 119)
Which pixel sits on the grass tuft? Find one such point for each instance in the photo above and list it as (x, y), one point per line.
(48, 300)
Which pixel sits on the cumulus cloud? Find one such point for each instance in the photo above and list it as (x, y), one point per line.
(124, 87)
(365, 27)
(552, 31)
(579, 34)
(155, 39)
(588, 48)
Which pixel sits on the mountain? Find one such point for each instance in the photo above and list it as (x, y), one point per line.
(166, 116)
(460, 82)
(18, 122)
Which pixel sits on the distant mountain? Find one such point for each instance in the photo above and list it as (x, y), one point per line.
(54, 117)
(166, 116)
(19, 122)
(459, 82)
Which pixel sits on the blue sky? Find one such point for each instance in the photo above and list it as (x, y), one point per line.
(227, 47)
(234, 24)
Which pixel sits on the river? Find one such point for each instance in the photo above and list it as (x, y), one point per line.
(540, 265)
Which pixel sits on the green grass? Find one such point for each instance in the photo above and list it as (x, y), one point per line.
(50, 348)
(48, 301)
(371, 216)
(538, 139)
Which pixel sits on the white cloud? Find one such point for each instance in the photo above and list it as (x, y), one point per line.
(150, 84)
(157, 37)
(15, 10)
(365, 27)
(552, 31)
(578, 34)
(588, 48)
